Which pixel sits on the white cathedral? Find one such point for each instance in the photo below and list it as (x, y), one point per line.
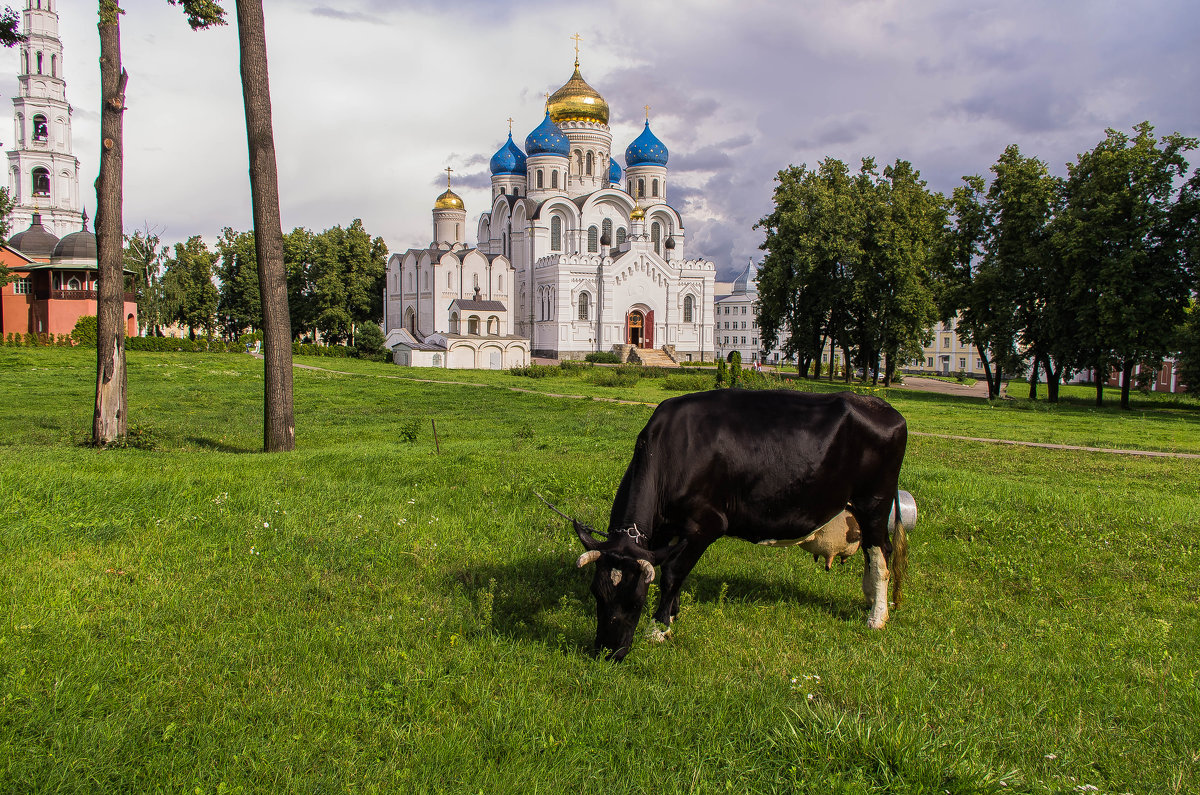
(573, 257)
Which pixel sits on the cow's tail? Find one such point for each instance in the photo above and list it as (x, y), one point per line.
(899, 556)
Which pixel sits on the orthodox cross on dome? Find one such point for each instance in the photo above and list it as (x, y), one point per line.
(510, 123)
(576, 37)
(448, 170)
(647, 107)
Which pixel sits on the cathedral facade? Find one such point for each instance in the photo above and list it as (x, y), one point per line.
(574, 255)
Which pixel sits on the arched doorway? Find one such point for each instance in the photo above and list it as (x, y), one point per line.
(639, 328)
(635, 327)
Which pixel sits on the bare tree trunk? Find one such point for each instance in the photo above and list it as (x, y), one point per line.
(1033, 377)
(279, 427)
(1126, 377)
(109, 420)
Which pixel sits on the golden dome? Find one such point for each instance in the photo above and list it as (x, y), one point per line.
(448, 201)
(577, 101)
(637, 213)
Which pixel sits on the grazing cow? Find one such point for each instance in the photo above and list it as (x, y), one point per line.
(770, 467)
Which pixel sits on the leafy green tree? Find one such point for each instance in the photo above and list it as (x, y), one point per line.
(369, 341)
(240, 306)
(1126, 247)
(191, 297)
(10, 28)
(145, 257)
(1189, 348)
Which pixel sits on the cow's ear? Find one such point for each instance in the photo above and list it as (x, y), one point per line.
(670, 553)
(585, 535)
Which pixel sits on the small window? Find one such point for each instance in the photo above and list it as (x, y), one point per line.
(553, 179)
(500, 283)
(620, 235)
(450, 280)
(539, 179)
(590, 164)
(555, 233)
(641, 188)
(493, 326)
(606, 229)
(654, 188)
(73, 283)
(54, 66)
(687, 309)
(656, 237)
(929, 362)
(473, 325)
(945, 342)
(584, 304)
(23, 286)
(39, 60)
(593, 239)
(962, 363)
(41, 131)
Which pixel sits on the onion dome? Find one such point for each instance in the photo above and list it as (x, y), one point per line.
(34, 241)
(509, 160)
(614, 172)
(577, 101)
(670, 244)
(547, 139)
(637, 213)
(646, 150)
(449, 201)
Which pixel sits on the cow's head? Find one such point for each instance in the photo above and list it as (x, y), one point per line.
(624, 571)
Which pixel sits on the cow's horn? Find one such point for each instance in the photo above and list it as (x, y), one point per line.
(647, 569)
(591, 556)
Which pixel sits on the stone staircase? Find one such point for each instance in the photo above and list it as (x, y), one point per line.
(650, 357)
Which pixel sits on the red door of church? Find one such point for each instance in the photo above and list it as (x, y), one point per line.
(639, 329)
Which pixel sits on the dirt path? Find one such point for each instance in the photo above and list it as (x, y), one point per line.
(928, 385)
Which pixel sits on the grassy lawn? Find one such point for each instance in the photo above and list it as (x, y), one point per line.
(370, 615)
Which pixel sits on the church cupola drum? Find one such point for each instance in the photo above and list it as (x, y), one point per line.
(43, 172)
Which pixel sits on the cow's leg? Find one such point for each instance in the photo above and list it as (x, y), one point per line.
(674, 573)
(873, 518)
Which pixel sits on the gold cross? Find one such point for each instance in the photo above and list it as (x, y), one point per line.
(448, 170)
(647, 107)
(576, 38)
(510, 121)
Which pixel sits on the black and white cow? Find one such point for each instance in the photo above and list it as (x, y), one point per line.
(770, 467)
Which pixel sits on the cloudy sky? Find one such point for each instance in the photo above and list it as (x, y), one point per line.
(373, 98)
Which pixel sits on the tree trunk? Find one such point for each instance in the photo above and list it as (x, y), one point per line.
(1126, 377)
(1053, 378)
(992, 384)
(1033, 377)
(279, 426)
(109, 420)
(1101, 375)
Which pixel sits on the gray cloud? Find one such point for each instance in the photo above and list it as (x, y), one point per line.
(347, 16)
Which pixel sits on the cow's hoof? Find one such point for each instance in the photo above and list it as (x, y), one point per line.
(657, 633)
(877, 621)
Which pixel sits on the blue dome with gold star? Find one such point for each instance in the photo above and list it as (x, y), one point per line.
(547, 139)
(509, 160)
(646, 150)
(614, 172)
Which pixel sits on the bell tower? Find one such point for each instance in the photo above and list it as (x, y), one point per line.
(43, 172)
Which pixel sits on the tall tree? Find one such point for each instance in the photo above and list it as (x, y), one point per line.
(10, 28)
(240, 307)
(6, 207)
(190, 297)
(109, 418)
(1125, 245)
(144, 257)
(279, 431)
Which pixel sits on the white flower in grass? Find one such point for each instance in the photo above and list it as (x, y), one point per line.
(266, 524)
(1052, 756)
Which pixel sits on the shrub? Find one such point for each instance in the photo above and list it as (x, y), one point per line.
(687, 382)
(571, 365)
(613, 376)
(410, 431)
(84, 332)
(534, 370)
(368, 341)
(602, 357)
(735, 369)
(722, 373)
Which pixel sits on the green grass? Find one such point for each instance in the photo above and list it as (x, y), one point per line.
(368, 615)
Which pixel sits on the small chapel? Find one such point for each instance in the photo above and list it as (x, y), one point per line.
(574, 256)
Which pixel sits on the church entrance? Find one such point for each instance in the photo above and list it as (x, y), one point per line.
(639, 329)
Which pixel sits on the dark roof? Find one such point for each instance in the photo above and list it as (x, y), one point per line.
(77, 245)
(481, 306)
(34, 241)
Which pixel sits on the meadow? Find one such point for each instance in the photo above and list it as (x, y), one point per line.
(381, 611)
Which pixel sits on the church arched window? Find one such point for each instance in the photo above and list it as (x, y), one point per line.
(620, 235)
(630, 187)
(500, 283)
(606, 230)
(40, 129)
(39, 62)
(554, 179)
(555, 233)
(540, 182)
(585, 301)
(578, 161)
(54, 66)
(688, 308)
(589, 165)
(654, 187)
(641, 188)
(25, 61)
(41, 182)
(450, 280)
(593, 239)
(473, 325)
(493, 325)
(656, 237)
(453, 322)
